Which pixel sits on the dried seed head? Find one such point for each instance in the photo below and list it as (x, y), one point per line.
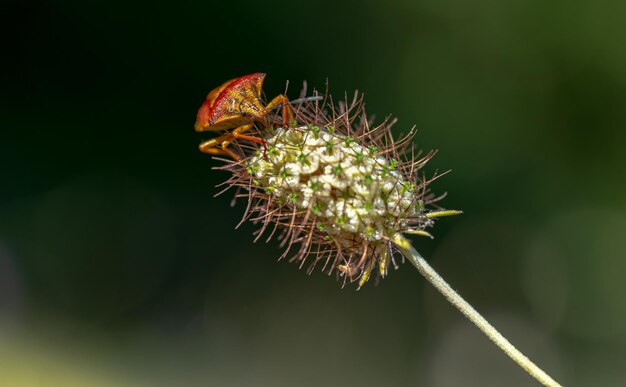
(335, 187)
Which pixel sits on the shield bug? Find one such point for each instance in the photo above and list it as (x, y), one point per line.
(237, 104)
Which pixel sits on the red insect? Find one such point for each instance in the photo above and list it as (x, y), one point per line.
(237, 104)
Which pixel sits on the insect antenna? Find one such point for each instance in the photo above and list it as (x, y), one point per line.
(299, 101)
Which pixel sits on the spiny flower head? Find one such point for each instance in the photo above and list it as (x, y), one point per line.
(335, 188)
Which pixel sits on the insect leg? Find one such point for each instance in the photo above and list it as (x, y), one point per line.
(215, 146)
(288, 115)
(237, 134)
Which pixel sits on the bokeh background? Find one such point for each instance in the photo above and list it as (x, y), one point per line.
(119, 268)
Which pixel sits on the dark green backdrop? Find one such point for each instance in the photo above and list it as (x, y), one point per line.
(118, 267)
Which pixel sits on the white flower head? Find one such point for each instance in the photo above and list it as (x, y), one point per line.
(339, 189)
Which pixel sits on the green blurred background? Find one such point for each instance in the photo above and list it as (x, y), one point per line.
(118, 267)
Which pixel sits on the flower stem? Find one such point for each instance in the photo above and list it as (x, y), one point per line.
(455, 299)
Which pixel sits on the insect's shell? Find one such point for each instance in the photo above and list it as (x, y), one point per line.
(235, 103)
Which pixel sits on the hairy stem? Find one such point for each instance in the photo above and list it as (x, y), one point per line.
(455, 299)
